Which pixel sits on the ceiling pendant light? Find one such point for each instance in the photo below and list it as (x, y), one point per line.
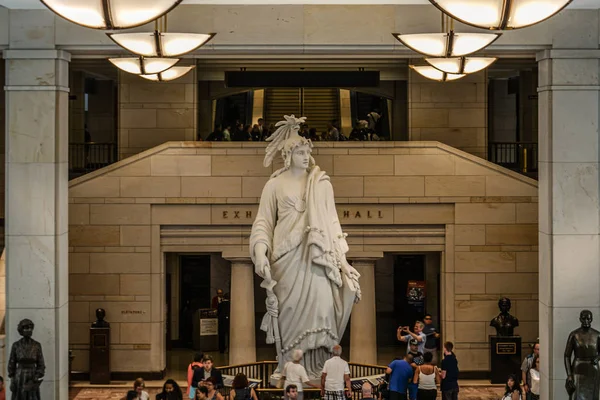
(142, 65)
(160, 43)
(461, 65)
(500, 14)
(447, 43)
(435, 74)
(111, 14)
(169, 75)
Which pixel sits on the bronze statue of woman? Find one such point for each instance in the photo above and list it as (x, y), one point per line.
(581, 360)
(26, 365)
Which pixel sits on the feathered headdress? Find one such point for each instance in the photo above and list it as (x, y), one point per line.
(287, 129)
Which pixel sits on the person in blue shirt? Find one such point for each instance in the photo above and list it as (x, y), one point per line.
(401, 373)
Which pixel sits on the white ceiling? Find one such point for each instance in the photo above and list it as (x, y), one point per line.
(36, 4)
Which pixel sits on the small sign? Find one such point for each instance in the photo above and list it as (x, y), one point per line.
(209, 327)
(506, 348)
(532, 97)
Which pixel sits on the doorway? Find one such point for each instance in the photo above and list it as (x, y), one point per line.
(407, 288)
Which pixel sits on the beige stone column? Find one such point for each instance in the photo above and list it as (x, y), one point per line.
(363, 332)
(37, 272)
(569, 221)
(242, 339)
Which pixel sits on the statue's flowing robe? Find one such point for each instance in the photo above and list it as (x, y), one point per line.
(584, 344)
(25, 366)
(306, 250)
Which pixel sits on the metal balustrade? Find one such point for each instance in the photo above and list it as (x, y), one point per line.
(521, 157)
(88, 157)
(263, 370)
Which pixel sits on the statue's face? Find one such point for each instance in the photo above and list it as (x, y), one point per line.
(301, 157)
(586, 319)
(505, 306)
(27, 330)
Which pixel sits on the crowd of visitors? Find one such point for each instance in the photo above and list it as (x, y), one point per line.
(240, 132)
(416, 376)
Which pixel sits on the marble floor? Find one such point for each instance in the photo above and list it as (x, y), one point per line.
(466, 393)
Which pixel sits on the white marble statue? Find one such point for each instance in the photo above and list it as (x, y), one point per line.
(298, 248)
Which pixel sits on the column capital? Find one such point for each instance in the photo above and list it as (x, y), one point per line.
(577, 54)
(239, 257)
(30, 54)
(364, 257)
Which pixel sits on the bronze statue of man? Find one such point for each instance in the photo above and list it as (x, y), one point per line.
(581, 360)
(26, 365)
(505, 323)
(100, 322)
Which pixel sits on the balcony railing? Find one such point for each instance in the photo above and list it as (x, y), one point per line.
(88, 157)
(521, 157)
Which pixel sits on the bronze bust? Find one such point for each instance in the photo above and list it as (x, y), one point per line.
(100, 322)
(505, 323)
(581, 360)
(26, 366)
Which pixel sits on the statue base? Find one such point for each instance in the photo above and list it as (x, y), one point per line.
(505, 358)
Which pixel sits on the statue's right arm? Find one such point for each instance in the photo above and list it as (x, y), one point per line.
(568, 366)
(12, 363)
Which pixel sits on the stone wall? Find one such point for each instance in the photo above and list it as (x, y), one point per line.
(152, 113)
(454, 113)
(182, 197)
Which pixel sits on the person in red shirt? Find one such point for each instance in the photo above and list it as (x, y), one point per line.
(2, 389)
(197, 363)
(217, 299)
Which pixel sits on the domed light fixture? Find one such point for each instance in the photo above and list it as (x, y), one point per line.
(435, 74)
(142, 65)
(111, 14)
(169, 75)
(500, 14)
(447, 43)
(460, 65)
(160, 43)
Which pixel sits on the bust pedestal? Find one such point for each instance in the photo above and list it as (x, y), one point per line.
(505, 357)
(100, 356)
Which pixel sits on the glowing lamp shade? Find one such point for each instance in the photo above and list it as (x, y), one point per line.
(449, 44)
(169, 75)
(143, 66)
(111, 14)
(500, 14)
(161, 44)
(435, 74)
(460, 65)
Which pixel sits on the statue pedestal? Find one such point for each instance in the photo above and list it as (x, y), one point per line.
(99, 356)
(505, 357)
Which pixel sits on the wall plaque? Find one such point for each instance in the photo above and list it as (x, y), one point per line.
(506, 348)
(209, 326)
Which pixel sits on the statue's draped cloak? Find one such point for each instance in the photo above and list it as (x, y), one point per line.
(306, 249)
(25, 366)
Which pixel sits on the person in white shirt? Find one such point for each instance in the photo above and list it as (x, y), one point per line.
(295, 374)
(335, 377)
(534, 379)
(417, 334)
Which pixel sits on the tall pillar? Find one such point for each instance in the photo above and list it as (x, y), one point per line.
(363, 330)
(569, 218)
(242, 339)
(37, 206)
